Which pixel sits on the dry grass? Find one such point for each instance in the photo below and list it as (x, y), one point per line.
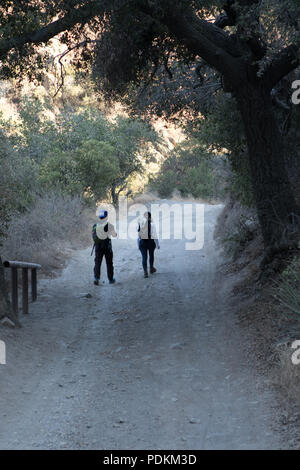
(288, 375)
(237, 226)
(288, 288)
(49, 231)
(149, 197)
(145, 198)
(268, 309)
(287, 292)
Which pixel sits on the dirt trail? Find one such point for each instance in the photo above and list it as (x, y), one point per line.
(146, 363)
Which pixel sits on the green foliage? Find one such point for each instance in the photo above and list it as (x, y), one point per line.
(80, 152)
(93, 156)
(222, 130)
(164, 183)
(133, 141)
(198, 182)
(191, 171)
(75, 128)
(81, 159)
(239, 181)
(37, 131)
(97, 166)
(18, 183)
(24, 19)
(60, 170)
(139, 42)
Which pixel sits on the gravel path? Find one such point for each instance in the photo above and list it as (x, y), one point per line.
(146, 363)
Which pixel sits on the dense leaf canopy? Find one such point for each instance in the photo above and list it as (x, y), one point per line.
(129, 40)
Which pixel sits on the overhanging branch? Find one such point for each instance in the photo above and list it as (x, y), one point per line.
(207, 41)
(62, 55)
(230, 18)
(286, 61)
(78, 15)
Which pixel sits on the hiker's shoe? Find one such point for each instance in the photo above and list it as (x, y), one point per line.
(146, 274)
(152, 270)
(112, 281)
(96, 282)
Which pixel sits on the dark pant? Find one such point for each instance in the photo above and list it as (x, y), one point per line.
(147, 246)
(99, 253)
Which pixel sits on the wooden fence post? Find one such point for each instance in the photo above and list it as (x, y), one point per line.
(15, 265)
(14, 290)
(34, 284)
(25, 290)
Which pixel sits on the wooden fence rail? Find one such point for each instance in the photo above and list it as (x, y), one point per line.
(14, 266)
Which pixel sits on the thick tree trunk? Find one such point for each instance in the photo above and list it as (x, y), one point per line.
(275, 201)
(114, 195)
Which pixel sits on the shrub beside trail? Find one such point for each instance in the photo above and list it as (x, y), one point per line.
(43, 234)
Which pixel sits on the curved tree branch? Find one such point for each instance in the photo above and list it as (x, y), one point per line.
(78, 15)
(286, 61)
(230, 18)
(207, 41)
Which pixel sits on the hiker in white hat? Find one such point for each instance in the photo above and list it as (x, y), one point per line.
(102, 233)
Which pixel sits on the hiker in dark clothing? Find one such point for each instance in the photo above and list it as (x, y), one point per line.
(147, 242)
(102, 231)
